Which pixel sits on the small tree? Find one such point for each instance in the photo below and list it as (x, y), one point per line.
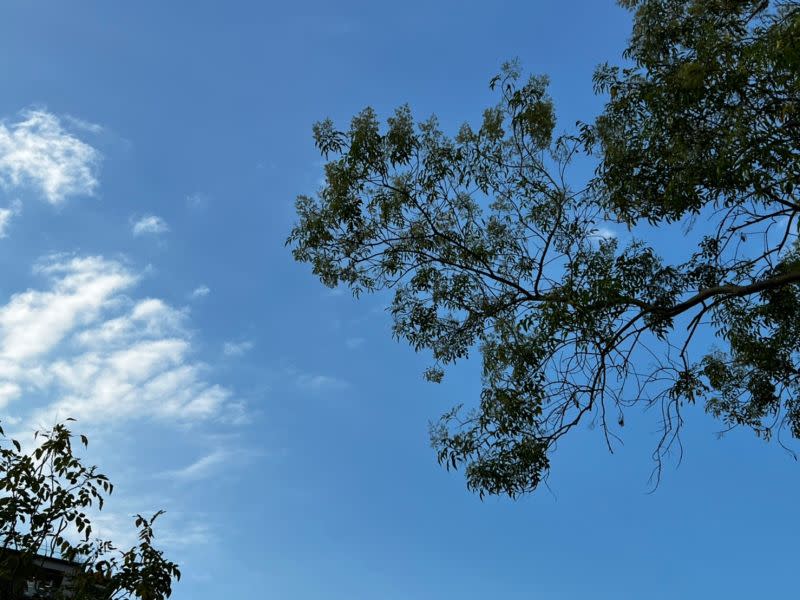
(45, 496)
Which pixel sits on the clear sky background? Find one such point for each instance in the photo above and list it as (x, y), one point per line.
(150, 153)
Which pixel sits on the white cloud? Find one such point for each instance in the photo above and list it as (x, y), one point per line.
(237, 348)
(8, 391)
(82, 348)
(34, 321)
(37, 151)
(201, 291)
(6, 214)
(149, 224)
(5, 218)
(604, 233)
(80, 342)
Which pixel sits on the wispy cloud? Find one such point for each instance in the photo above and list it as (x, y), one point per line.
(201, 291)
(320, 383)
(37, 151)
(149, 224)
(83, 124)
(175, 530)
(88, 351)
(187, 533)
(354, 342)
(202, 467)
(6, 214)
(196, 200)
(237, 348)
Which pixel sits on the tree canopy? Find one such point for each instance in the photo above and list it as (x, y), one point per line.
(490, 245)
(46, 495)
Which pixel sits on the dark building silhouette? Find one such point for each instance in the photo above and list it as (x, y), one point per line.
(36, 577)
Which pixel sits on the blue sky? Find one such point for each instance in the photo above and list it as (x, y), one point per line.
(150, 153)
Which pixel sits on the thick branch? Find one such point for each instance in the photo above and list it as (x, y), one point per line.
(731, 291)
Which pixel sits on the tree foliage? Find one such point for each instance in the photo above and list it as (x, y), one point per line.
(488, 244)
(46, 495)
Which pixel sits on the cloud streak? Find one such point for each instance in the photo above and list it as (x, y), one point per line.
(202, 467)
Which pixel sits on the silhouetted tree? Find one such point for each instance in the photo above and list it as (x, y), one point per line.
(488, 247)
(45, 497)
